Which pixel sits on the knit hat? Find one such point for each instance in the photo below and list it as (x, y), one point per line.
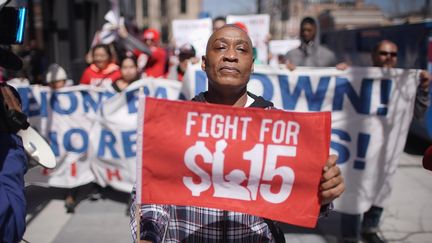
(187, 51)
(55, 73)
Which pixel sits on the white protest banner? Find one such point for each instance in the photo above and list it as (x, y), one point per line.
(371, 112)
(115, 134)
(192, 31)
(64, 118)
(258, 27)
(78, 123)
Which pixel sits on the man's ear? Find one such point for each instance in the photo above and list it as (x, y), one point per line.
(203, 63)
(253, 65)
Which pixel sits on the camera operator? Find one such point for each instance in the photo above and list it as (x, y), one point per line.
(13, 162)
(13, 158)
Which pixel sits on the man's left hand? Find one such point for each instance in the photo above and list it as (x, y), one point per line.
(332, 183)
(424, 80)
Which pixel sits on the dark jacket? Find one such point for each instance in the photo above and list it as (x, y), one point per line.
(13, 166)
(259, 102)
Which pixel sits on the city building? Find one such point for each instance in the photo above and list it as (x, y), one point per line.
(68, 27)
(287, 14)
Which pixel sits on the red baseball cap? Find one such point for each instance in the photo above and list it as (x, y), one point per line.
(242, 26)
(151, 34)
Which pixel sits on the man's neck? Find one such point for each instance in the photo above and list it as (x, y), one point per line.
(227, 98)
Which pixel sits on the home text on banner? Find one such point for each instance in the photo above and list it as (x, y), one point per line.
(92, 131)
(249, 160)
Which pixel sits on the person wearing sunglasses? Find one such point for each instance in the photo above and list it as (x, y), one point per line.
(356, 226)
(385, 54)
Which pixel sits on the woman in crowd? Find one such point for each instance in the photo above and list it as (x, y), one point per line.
(102, 70)
(129, 73)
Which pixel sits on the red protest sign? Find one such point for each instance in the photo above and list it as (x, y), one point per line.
(266, 163)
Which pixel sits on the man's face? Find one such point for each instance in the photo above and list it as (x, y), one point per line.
(385, 56)
(57, 84)
(100, 58)
(150, 42)
(229, 59)
(129, 70)
(307, 32)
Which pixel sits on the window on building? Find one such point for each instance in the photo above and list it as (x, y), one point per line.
(145, 8)
(165, 31)
(163, 7)
(183, 6)
(285, 10)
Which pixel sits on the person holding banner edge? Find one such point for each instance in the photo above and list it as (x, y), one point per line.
(311, 53)
(228, 64)
(356, 226)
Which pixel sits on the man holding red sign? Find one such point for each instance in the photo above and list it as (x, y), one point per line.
(215, 136)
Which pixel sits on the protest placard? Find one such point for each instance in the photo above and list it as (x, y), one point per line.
(266, 163)
(192, 31)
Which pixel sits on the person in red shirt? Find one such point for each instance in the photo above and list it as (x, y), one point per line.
(102, 70)
(156, 63)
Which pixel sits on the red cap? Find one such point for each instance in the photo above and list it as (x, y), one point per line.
(241, 26)
(427, 159)
(151, 34)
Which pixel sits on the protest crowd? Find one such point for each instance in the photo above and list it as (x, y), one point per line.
(91, 123)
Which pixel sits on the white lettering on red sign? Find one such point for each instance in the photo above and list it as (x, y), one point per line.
(262, 172)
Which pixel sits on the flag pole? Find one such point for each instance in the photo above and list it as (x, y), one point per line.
(140, 124)
(138, 222)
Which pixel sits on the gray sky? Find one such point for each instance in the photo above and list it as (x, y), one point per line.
(391, 7)
(224, 7)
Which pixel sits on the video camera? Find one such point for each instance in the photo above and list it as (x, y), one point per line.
(12, 24)
(12, 21)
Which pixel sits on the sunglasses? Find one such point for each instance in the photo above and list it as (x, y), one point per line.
(386, 53)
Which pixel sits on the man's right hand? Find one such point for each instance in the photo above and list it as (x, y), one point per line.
(290, 66)
(122, 31)
(342, 66)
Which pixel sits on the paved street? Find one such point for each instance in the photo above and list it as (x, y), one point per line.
(408, 218)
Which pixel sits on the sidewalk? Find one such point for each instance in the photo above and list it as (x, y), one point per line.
(407, 218)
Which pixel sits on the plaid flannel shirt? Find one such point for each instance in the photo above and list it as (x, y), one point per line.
(197, 224)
